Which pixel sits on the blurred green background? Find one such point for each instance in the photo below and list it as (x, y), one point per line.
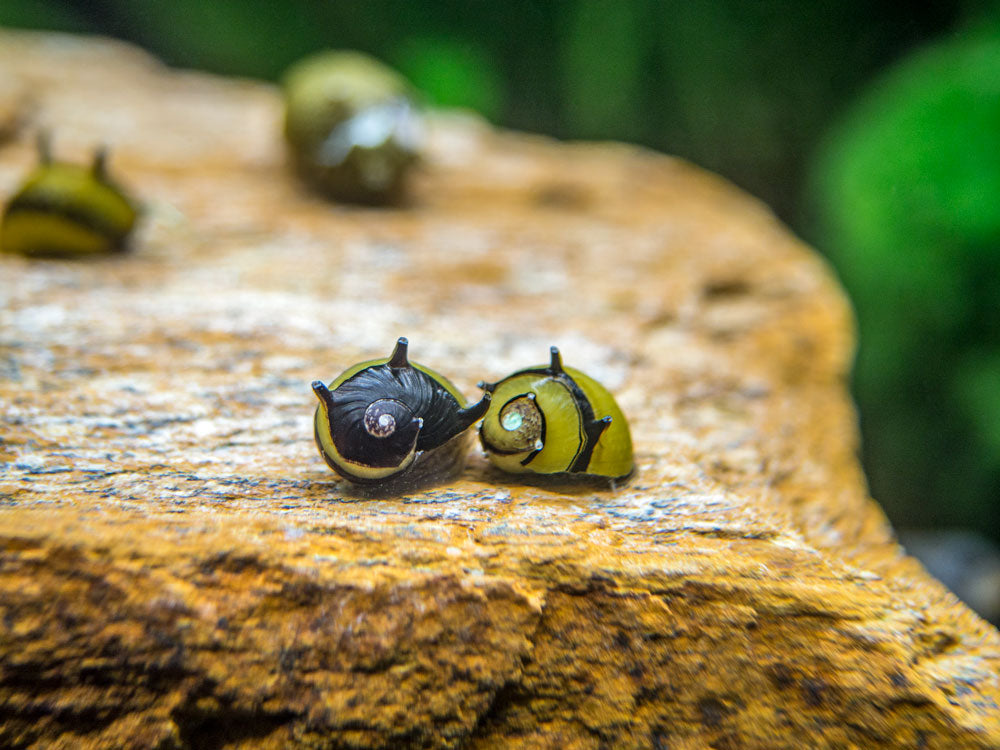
(872, 129)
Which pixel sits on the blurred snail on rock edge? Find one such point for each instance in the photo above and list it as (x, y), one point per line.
(351, 125)
(67, 210)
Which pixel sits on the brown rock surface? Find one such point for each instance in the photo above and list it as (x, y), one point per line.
(179, 568)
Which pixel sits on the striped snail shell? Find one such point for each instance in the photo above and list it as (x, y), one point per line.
(553, 419)
(67, 210)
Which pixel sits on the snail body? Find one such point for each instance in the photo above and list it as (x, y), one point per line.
(555, 419)
(67, 210)
(351, 125)
(381, 418)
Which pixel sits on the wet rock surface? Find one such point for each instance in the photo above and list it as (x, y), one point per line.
(180, 569)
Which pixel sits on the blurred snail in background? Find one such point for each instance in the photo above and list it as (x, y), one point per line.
(384, 417)
(67, 210)
(550, 419)
(351, 125)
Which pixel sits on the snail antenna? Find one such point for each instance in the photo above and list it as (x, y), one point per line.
(555, 366)
(100, 166)
(43, 142)
(322, 392)
(473, 413)
(595, 428)
(398, 359)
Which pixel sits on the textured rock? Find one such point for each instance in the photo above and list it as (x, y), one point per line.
(179, 568)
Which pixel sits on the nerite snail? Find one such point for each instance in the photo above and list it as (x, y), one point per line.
(351, 125)
(552, 419)
(384, 417)
(67, 210)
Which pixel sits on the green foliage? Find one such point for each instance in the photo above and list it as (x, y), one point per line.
(453, 74)
(30, 14)
(977, 386)
(908, 191)
(602, 50)
(261, 38)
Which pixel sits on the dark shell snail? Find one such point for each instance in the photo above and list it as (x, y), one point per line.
(383, 417)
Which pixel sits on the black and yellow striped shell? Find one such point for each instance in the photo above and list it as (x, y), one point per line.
(67, 210)
(384, 417)
(351, 125)
(551, 419)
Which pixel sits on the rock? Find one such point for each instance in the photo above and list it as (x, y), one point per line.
(180, 569)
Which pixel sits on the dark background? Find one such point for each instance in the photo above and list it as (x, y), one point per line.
(872, 129)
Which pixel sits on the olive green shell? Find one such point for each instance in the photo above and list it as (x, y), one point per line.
(67, 210)
(351, 125)
(555, 419)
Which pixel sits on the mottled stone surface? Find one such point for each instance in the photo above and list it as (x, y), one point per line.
(179, 569)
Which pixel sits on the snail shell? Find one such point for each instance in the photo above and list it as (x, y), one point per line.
(67, 210)
(352, 127)
(381, 418)
(551, 419)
